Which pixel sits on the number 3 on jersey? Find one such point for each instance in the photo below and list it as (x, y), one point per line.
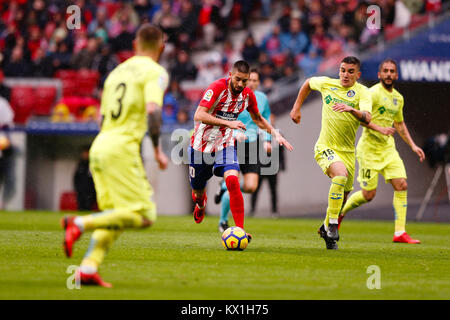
(121, 89)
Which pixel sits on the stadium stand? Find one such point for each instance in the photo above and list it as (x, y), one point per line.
(298, 38)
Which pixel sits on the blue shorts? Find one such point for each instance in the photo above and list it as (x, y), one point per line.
(202, 165)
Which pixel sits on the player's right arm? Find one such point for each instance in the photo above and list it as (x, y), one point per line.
(202, 115)
(387, 131)
(303, 93)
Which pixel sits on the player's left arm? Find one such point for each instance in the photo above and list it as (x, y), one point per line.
(404, 133)
(365, 107)
(363, 116)
(154, 117)
(153, 94)
(262, 123)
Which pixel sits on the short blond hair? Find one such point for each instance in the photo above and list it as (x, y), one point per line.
(149, 36)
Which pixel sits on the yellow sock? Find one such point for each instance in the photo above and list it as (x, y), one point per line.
(101, 241)
(112, 220)
(335, 198)
(400, 204)
(356, 199)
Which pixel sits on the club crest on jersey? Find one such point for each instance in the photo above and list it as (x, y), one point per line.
(350, 93)
(208, 95)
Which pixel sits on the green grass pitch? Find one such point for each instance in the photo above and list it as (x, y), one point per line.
(178, 259)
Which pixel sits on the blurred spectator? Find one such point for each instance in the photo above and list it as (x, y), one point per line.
(124, 21)
(246, 7)
(90, 114)
(85, 58)
(209, 20)
(266, 8)
(83, 183)
(402, 17)
(271, 43)
(295, 41)
(123, 42)
(61, 113)
(320, 40)
(183, 116)
(80, 39)
(310, 63)
(210, 71)
(189, 23)
(175, 91)
(250, 51)
(230, 55)
(61, 59)
(167, 20)
(17, 66)
(104, 62)
(284, 20)
(169, 110)
(101, 21)
(143, 8)
(42, 64)
(183, 69)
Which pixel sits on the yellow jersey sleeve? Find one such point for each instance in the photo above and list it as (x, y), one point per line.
(155, 86)
(316, 83)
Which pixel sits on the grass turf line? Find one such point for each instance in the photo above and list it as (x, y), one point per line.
(178, 259)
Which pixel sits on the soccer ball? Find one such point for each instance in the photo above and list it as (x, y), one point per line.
(234, 238)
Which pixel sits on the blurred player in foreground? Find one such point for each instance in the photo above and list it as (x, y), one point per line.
(249, 168)
(212, 148)
(131, 105)
(346, 104)
(376, 152)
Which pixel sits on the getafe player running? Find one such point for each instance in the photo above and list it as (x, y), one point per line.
(376, 152)
(346, 104)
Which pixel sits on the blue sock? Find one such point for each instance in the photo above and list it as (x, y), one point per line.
(225, 207)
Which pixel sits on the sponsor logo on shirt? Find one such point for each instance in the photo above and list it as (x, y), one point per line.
(230, 116)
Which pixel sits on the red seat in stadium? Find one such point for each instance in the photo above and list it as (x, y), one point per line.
(279, 59)
(45, 99)
(392, 32)
(68, 201)
(194, 94)
(22, 102)
(417, 20)
(66, 74)
(124, 55)
(87, 81)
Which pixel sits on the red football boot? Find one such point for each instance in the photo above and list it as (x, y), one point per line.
(92, 279)
(404, 238)
(199, 213)
(72, 233)
(249, 237)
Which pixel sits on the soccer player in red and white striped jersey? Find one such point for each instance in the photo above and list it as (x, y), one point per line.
(212, 148)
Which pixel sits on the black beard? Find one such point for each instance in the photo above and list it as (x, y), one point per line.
(388, 86)
(233, 89)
